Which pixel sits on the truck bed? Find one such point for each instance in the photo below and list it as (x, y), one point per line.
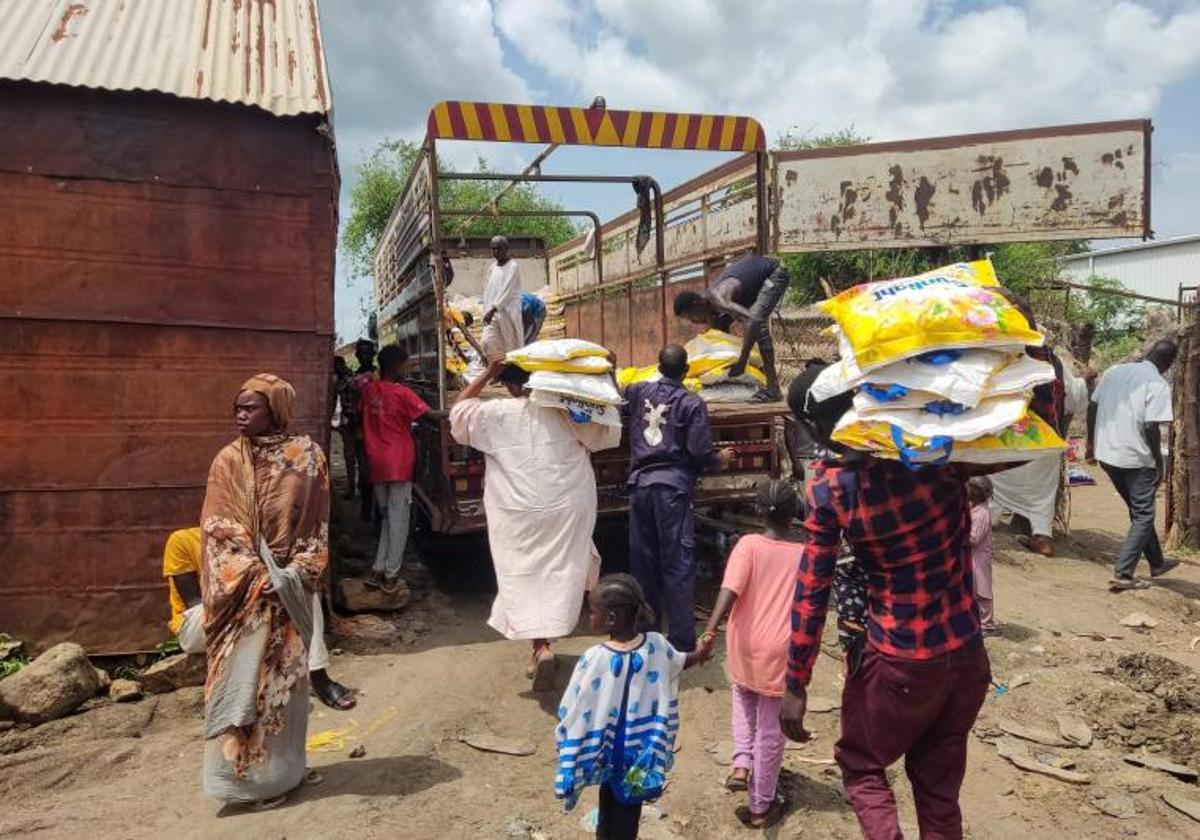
(449, 487)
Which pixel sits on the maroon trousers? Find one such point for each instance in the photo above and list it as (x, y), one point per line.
(922, 710)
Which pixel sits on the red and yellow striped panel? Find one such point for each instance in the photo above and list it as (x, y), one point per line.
(594, 127)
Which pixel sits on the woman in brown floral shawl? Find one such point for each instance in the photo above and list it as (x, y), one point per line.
(265, 544)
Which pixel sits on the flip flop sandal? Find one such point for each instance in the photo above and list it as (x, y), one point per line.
(737, 784)
(312, 778)
(335, 696)
(268, 804)
(765, 396)
(544, 672)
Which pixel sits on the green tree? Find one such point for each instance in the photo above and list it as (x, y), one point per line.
(382, 176)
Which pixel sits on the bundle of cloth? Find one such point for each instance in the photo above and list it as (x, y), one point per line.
(571, 375)
(939, 371)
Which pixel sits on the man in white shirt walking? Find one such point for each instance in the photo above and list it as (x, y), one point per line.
(1124, 435)
(503, 330)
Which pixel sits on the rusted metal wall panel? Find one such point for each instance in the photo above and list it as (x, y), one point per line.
(131, 309)
(266, 53)
(1065, 182)
(713, 213)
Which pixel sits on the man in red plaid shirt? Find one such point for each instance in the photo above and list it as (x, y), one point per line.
(925, 673)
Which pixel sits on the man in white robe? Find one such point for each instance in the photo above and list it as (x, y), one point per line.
(539, 494)
(502, 327)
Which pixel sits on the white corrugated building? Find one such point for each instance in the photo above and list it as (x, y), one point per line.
(1156, 269)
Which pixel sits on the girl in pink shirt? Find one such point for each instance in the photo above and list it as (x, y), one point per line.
(979, 493)
(760, 579)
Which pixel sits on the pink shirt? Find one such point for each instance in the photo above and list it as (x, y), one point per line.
(762, 572)
(981, 550)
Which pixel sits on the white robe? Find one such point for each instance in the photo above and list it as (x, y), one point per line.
(1031, 490)
(503, 291)
(539, 494)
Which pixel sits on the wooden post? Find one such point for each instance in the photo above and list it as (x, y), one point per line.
(1183, 522)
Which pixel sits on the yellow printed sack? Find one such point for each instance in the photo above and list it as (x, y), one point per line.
(714, 348)
(955, 306)
(630, 375)
(554, 350)
(579, 364)
(1028, 438)
(720, 373)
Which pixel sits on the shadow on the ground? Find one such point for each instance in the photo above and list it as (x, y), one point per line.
(397, 775)
(548, 700)
(806, 792)
(1012, 632)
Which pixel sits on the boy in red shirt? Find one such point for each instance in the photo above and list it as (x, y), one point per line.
(387, 411)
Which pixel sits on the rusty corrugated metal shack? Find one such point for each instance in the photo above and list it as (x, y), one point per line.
(168, 221)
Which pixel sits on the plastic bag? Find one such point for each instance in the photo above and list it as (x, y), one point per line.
(954, 420)
(578, 364)
(954, 306)
(961, 376)
(580, 411)
(1024, 440)
(554, 350)
(1018, 376)
(585, 386)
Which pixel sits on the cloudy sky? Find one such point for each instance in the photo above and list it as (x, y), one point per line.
(891, 68)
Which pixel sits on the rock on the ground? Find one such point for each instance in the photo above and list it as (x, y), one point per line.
(105, 681)
(1074, 729)
(124, 691)
(50, 686)
(178, 671)
(353, 595)
(1183, 804)
(1032, 733)
(1016, 752)
(1151, 762)
(1139, 619)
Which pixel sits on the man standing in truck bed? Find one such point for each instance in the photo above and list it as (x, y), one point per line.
(748, 290)
(503, 329)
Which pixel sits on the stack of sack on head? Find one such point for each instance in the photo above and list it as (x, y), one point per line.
(710, 356)
(571, 375)
(938, 368)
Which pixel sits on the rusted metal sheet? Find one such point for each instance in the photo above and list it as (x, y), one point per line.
(714, 213)
(265, 53)
(130, 312)
(1064, 182)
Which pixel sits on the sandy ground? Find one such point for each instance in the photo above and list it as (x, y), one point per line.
(133, 770)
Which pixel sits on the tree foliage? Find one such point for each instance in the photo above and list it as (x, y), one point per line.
(382, 177)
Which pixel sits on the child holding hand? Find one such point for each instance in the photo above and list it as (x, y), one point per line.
(760, 579)
(620, 713)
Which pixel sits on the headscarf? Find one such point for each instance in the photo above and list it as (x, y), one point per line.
(279, 393)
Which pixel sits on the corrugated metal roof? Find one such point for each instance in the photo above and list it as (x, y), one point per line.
(266, 53)
(1136, 246)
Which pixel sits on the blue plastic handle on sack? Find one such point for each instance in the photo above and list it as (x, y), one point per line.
(889, 394)
(944, 408)
(940, 357)
(915, 457)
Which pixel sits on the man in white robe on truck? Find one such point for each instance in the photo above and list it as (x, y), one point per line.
(502, 327)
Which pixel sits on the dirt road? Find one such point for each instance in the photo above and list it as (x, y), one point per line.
(133, 770)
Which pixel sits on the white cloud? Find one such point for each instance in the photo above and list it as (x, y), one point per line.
(892, 67)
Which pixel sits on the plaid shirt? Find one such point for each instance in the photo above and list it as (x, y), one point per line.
(910, 530)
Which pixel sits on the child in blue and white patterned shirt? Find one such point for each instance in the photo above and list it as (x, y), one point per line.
(620, 713)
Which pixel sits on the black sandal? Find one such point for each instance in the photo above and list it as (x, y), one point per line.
(336, 696)
(765, 396)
